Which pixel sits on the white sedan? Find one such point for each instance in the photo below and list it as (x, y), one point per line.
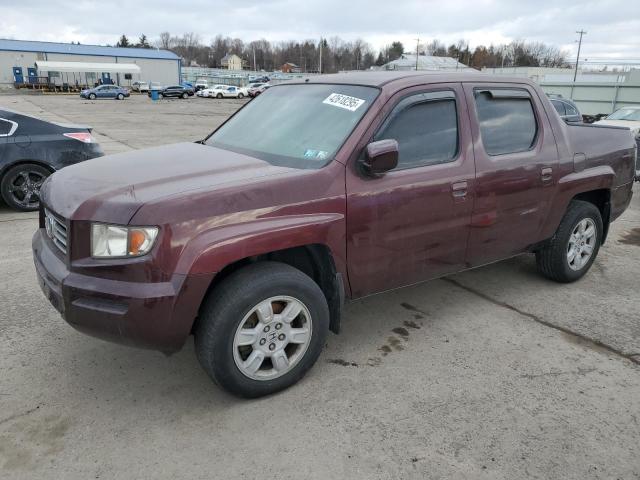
(223, 91)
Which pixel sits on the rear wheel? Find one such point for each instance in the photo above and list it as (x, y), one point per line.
(185, 95)
(240, 95)
(262, 329)
(575, 245)
(20, 186)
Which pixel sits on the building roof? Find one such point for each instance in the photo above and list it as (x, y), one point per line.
(50, 47)
(407, 61)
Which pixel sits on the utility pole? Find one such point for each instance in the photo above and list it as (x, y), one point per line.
(320, 68)
(254, 59)
(417, 50)
(575, 73)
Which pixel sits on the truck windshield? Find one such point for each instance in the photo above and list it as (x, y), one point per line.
(299, 126)
(632, 114)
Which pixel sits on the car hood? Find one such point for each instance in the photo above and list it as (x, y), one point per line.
(632, 124)
(114, 187)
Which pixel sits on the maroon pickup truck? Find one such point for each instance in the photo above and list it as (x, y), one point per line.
(353, 184)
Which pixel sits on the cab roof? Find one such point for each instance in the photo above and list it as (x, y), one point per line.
(402, 79)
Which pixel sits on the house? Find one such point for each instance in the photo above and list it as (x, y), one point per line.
(290, 68)
(231, 61)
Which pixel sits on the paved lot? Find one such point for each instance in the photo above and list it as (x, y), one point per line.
(490, 374)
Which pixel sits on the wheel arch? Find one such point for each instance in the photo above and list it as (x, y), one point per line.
(601, 199)
(314, 260)
(24, 161)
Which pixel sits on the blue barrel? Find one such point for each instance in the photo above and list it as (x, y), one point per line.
(154, 94)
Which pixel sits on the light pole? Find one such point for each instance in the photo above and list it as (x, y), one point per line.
(417, 50)
(575, 73)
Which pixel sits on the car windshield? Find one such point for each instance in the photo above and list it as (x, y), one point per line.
(632, 114)
(301, 126)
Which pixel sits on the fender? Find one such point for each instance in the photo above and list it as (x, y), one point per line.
(575, 183)
(220, 246)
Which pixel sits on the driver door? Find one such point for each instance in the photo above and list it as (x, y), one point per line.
(412, 223)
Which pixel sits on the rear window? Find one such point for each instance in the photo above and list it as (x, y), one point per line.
(507, 121)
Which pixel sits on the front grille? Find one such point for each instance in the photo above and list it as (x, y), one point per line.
(56, 230)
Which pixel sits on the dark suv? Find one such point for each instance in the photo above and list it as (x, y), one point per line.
(363, 182)
(177, 91)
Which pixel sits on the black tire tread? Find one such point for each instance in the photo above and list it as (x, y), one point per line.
(222, 303)
(550, 259)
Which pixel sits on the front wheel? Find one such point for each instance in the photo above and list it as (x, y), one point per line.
(219, 96)
(20, 186)
(120, 96)
(185, 95)
(92, 96)
(261, 329)
(240, 95)
(575, 245)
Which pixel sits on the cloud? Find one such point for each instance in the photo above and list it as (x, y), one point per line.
(613, 26)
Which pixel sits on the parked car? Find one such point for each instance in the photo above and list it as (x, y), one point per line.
(31, 149)
(628, 117)
(105, 91)
(201, 85)
(225, 91)
(257, 88)
(177, 91)
(366, 182)
(140, 86)
(566, 108)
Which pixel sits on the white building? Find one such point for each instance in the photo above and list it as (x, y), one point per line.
(424, 62)
(27, 62)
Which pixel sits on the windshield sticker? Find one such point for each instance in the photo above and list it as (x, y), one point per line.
(344, 101)
(316, 154)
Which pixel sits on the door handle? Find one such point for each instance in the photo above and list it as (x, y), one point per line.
(546, 174)
(459, 190)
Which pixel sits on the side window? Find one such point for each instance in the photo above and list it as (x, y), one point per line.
(570, 109)
(7, 127)
(559, 106)
(506, 118)
(425, 127)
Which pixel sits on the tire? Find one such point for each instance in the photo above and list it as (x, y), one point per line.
(219, 96)
(233, 304)
(92, 96)
(19, 195)
(240, 96)
(554, 260)
(120, 96)
(185, 95)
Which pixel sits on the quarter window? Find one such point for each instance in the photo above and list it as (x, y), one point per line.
(425, 127)
(507, 121)
(7, 128)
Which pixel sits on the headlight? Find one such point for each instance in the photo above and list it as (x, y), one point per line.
(117, 241)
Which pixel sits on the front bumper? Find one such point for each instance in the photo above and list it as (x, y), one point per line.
(158, 316)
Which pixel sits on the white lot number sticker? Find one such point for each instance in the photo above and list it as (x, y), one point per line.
(344, 101)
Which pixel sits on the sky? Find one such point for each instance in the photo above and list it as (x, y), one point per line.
(613, 26)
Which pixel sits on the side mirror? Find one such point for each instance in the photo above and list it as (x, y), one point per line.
(381, 156)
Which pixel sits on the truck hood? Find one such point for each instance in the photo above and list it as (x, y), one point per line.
(114, 187)
(631, 124)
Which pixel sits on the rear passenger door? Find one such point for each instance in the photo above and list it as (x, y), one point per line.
(412, 223)
(516, 169)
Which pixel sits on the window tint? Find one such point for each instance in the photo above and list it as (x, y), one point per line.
(5, 127)
(426, 129)
(507, 121)
(559, 106)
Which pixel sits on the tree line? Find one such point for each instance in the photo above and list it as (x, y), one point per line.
(337, 54)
